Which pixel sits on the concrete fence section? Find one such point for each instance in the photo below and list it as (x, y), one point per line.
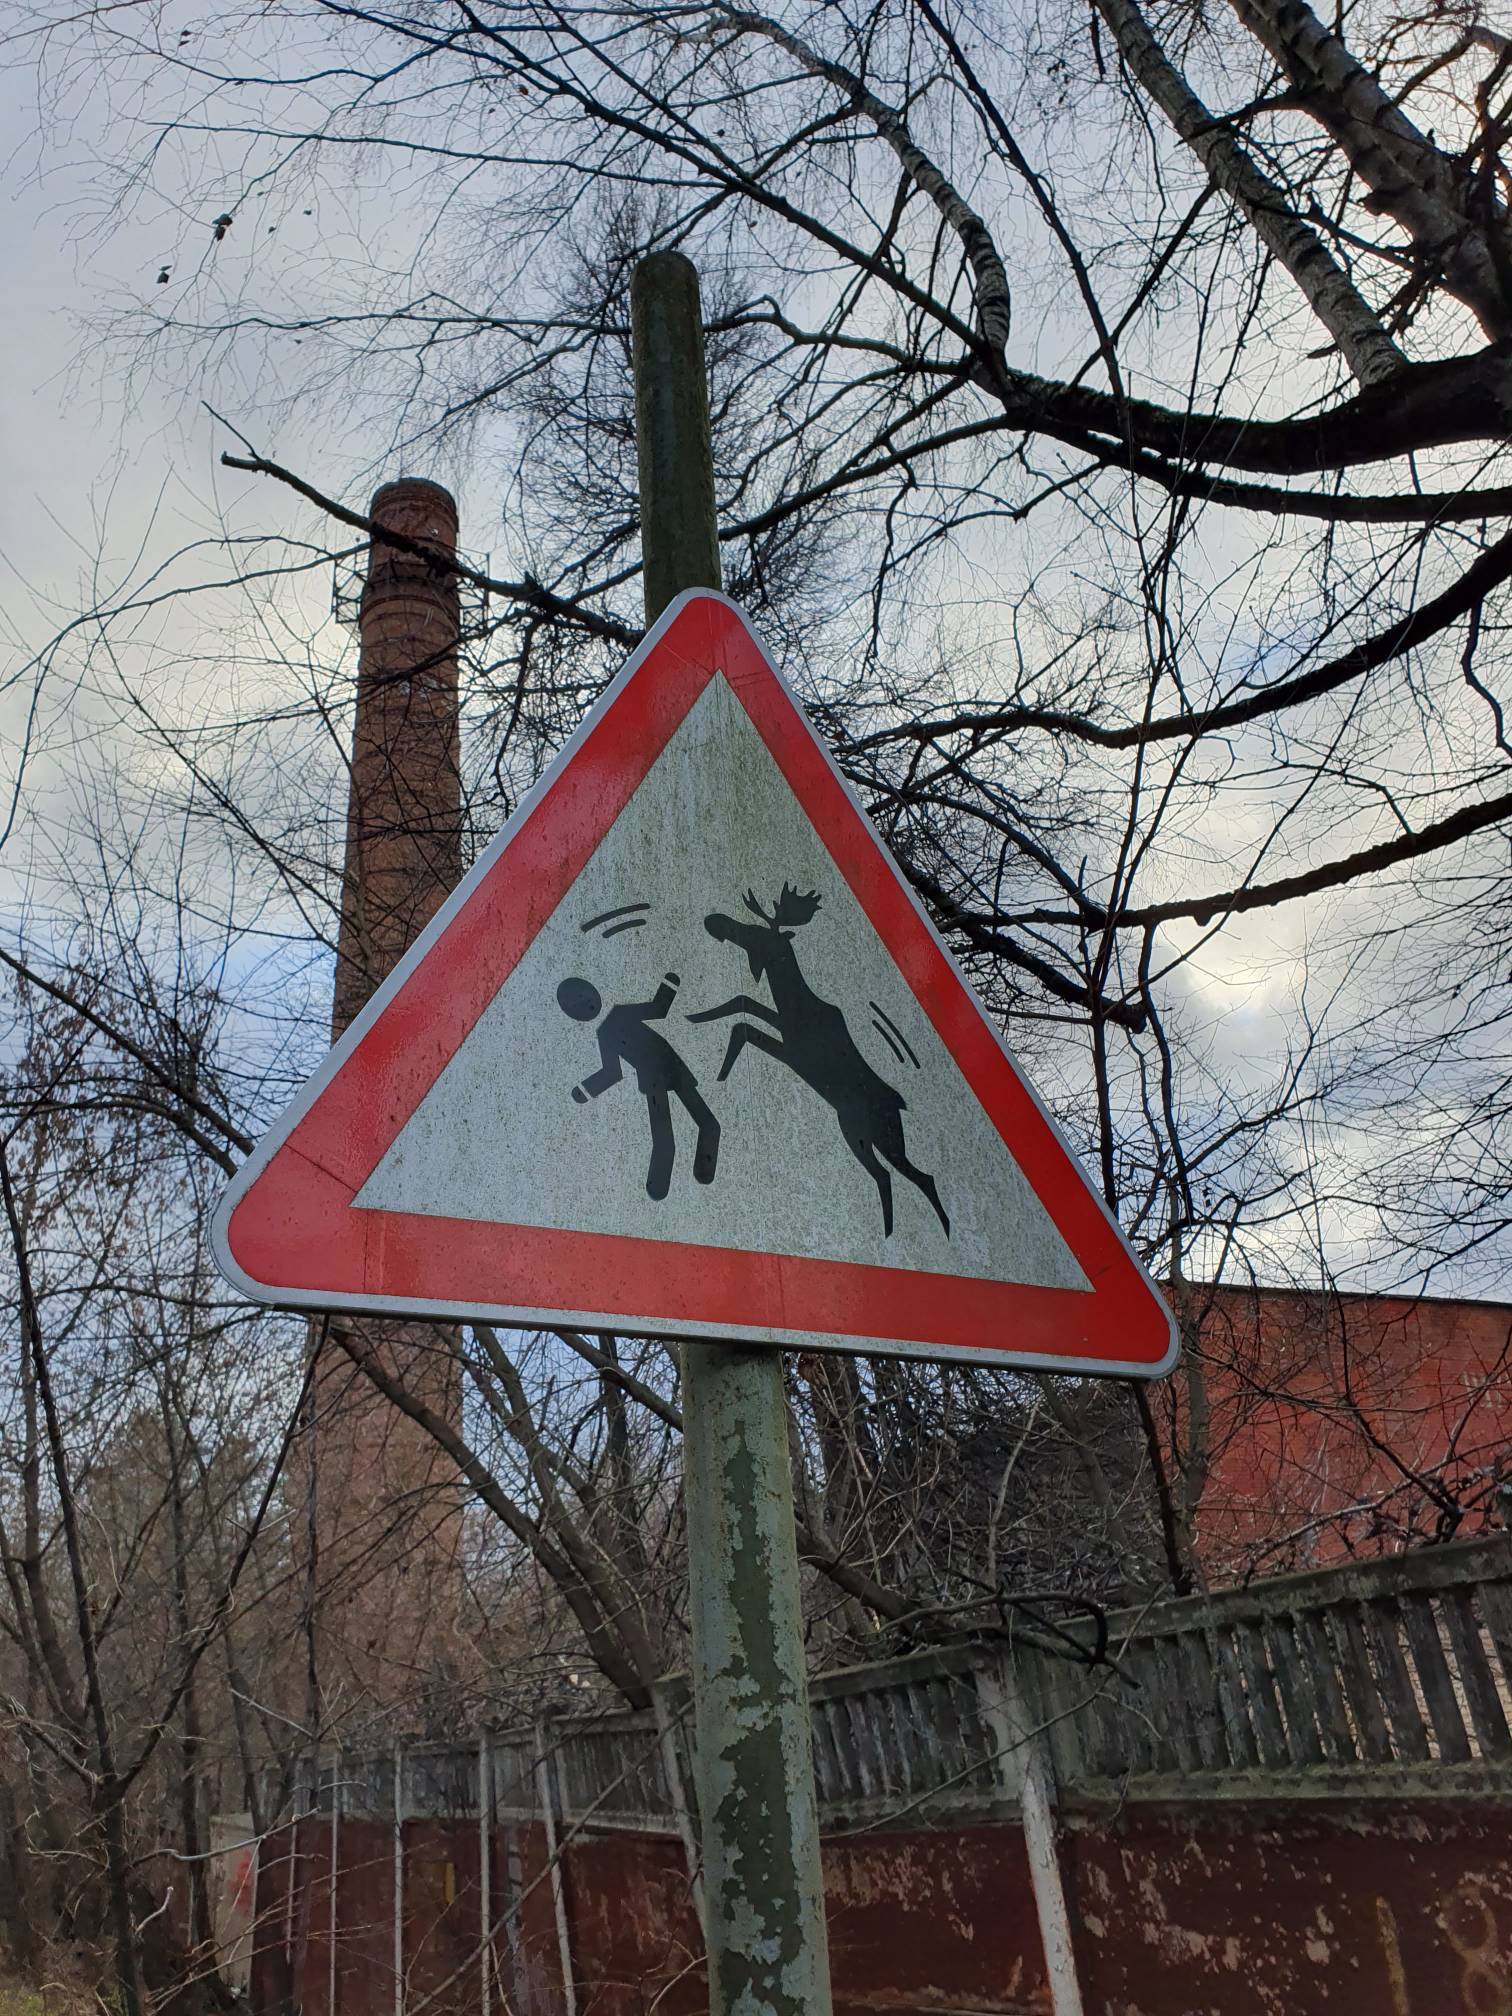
(1293, 1798)
(1390, 1672)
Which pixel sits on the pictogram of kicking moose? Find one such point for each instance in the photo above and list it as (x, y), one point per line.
(797, 1027)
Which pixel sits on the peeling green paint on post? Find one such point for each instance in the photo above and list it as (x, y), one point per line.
(763, 1892)
(767, 1950)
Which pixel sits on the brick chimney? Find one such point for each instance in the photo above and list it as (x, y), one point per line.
(404, 812)
(384, 1526)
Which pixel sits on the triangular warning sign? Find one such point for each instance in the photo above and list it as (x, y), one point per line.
(683, 1056)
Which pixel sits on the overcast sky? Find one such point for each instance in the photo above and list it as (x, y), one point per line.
(99, 477)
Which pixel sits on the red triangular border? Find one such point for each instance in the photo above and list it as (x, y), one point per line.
(286, 1231)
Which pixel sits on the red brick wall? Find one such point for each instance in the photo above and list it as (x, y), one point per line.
(1339, 1424)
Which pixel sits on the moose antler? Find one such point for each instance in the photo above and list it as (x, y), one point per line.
(793, 909)
(752, 904)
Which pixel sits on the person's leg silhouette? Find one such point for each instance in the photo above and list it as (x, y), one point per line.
(663, 1145)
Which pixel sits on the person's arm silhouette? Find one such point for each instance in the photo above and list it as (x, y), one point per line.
(609, 1073)
(654, 1009)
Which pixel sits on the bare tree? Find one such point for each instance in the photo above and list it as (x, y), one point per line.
(1110, 410)
(140, 1464)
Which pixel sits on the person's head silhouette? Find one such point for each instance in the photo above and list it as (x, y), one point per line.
(579, 999)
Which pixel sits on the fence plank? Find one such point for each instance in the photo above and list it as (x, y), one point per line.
(1133, 1746)
(1206, 1706)
(875, 1743)
(1179, 1719)
(1372, 1737)
(1408, 1735)
(829, 1771)
(1496, 1608)
(1265, 1712)
(856, 1711)
(1238, 1730)
(1133, 1714)
(1433, 1674)
(1189, 1707)
(898, 1741)
(1289, 1667)
(917, 1709)
(950, 1753)
(1153, 1711)
(853, 1783)
(1486, 1713)
(921, 1711)
(1056, 1685)
(1089, 1738)
(1322, 1662)
(976, 1744)
(1131, 1743)
(888, 1716)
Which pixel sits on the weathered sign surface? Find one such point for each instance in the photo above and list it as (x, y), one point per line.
(682, 1055)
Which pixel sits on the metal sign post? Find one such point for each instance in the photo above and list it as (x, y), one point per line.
(764, 1909)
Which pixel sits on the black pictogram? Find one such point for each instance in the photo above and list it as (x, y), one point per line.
(625, 1037)
(811, 1036)
(621, 918)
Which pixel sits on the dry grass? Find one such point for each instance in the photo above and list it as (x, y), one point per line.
(53, 1998)
(18, 2001)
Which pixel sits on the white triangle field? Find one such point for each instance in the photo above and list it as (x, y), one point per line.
(501, 1139)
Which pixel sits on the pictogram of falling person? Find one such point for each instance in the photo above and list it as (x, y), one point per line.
(626, 1037)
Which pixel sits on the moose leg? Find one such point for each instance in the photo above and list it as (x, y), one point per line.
(921, 1180)
(706, 1154)
(738, 1004)
(866, 1155)
(742, 1034)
